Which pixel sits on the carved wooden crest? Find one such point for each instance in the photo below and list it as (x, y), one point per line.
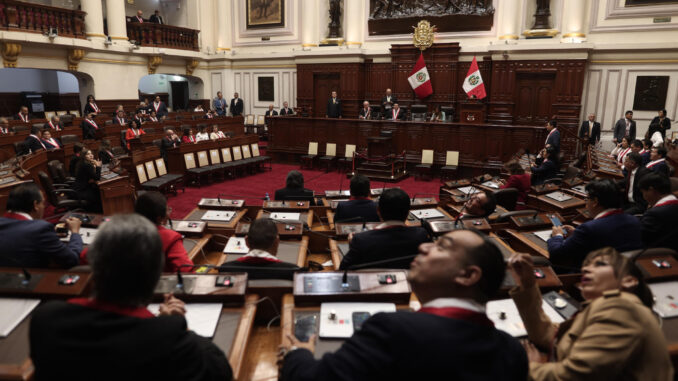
(423, 35)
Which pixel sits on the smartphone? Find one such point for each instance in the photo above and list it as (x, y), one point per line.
(304, 327)
(554, 220)
(359, 318)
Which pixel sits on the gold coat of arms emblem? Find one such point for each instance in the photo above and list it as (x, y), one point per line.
(423, 35)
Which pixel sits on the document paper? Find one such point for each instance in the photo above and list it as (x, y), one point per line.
(202, 318)
(14, 312)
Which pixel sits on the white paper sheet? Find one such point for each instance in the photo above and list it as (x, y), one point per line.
(666, 298)
(14, 311)
(218, 215)
(544, 234)
(468, 190)
(236, 245)
(559, 196)
(202, 318)
(286, 216)
(427, 213)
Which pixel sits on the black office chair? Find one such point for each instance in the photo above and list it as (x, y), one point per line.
(62, 197)
(507, 198)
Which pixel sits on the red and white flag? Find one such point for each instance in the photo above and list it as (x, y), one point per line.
(473, 84)
(420, 80)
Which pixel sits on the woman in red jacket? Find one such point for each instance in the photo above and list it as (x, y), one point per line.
(518, 179)
(133, 131)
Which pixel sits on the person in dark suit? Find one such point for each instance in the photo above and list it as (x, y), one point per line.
(387, 102)
(87, 173)
(33, 141)
(634, 203)
(645, 152)
(261, 262)
(75, 159)
(286, 110)
(663, 122)
(365, 112)
(29, 241)
(294, 189)
(126, 260)
(271, 111)
(450, 337)
(391, 239)
(590, 130)
(658, 226)
(160, 108)
(48, 141)
(91, 106)
(657, 161)
(120, 119)
(553, 137)
(546, 166)
(106, 155)
(333, 106)
(156, 18)
(170, 140)
(5, 129)
(138, 18)
(90, 127)
(360, 206)
(625, 127)
(23, 115)
(236, 106)
(54, 124)
(397, 113)
(610, 227)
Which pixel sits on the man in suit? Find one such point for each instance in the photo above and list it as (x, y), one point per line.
(29, 241)
(450, 337)
(219, 104)
(658, 226)
(553, 137)
(387, 102)
(625, 127)
(156, 18)
(271, 111)
(657, 161)
(634, 203)
(391, 239)
(236, 105)
(126, 260)
(263, 241)
(646, 151)
(397, 113)
(365, 112)
(33, 141)
(48, 141)
(89, 127)
(286, 110)
(5, 129)
(360, 207)
(170, 140)
(120, 119)
(545, 166)
(54, 124)
(159, 107)
(333, 106)
(609, 227)
(590, 130)
(23, 115)
(139, 17)
(663, 122)
(294, 189)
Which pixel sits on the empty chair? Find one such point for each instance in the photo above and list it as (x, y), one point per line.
(49, 114)
(426, 163)
(347, 160)
(60, 196)
(330, 156)
(75, 113)
(451, 162)
(309, 159)
(62, 112)
(69, 139)
(261, 160)
(196, 173)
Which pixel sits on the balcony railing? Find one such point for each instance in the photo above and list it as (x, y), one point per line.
(37, 18)
(163, 36)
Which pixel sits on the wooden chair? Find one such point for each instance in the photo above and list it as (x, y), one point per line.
(346, 161)
(49, 114)
(309, 159)
(450, 168)
(237, 158)
(75, 113)
(230, 166)
(261, 160)
(426, 163)
(63, 112)
(330, 156)
(196, 173)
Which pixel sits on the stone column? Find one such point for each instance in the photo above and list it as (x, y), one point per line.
(309, 23)
(115, 17)
(94, 20)
(354, 11)
(509, 26)
(574, 17)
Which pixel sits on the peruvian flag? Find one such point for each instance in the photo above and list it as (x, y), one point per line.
(420, 80)
(473, 84)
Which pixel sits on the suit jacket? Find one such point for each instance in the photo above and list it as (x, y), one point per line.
(382, 244)
(386, 107)
(620, 130)
(278, 270)
(123, 121)
(286, 111)
(664, 124)
(271, 113)
(166, 144)
(49, 144)
(106, 157)
(293, 194)
(658, 227)
(637, 195)
(32, 143)
(661, 168)
(646, 157)
(89, 109)
(365, 208)
(333, 108)
(236, 106)
(34, 243)
(621, 231)
(594, 137)
(161, 347)
(546, 169)
(614, 337)
(219, 105)
(554, 140)
(161, 111)
(401, 114)
(156, 19)
(365, 115)
(89, 131)
(135, 19)
(415, 346)
(17, 117)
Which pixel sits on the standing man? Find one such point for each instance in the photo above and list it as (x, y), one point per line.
(625, 127)
(271, 111)
(54, 124)
(139, 17)
(333, 106)
(365, 112)
(23, 115)
(590, 130)
(160, 107)
(236, 105)
(286, 110)
(219, 104)
(156, 18)
(553, 138)
(89, 127)
(387, 102)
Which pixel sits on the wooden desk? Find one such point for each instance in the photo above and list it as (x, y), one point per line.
(117, 195)
(566, 208)
(370, 288)
(218, 227)
(531, 222)
(290, 251)
(528, 242)
(233, 332)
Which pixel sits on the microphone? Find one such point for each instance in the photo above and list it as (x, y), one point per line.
(427, 226)
(461, 212)
(341, 184)
(536, 213)
(356, 218)
(180, 283)
(27, 277)
(344, 277)
(238, 196)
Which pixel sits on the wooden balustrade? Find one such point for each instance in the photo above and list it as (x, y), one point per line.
(37, 18)
(163, 36)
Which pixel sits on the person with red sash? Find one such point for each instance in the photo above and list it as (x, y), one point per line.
(519, 180)
(449, 338)
(553, 137)
(139, 17)
(54, 124)
(397, 113)
(33, 142)
(26, 240)
(657, 161)
(261, 262)
(610, 227)
(160, 108)
(134, 131)
(658, 224)
(89, 127)
(5, 129)
(119, 118)
(360, 208)
(188, 136)
(23, 115)
(113, 335)
(91, 106)
(48, 141)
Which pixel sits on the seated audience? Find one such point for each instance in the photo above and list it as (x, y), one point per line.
(198, 108)
(211, 114)
(89, 127)
(657, 161)
(134, 131)
(609, 227)
(271, 111)
(202, 134)
(48, 141)
(391, 239)
(120, 118)
(106, 155)
(261, 261)
(614, 337)
(360, 208)
(75, 159)
(645, 152)
(286, 110)
(188, 136)
(397, 113)
(139, 118)
(294, 189)
(480, 204)
(658, 224)
(450, 337)
(54, 124)
(365, 112)
(153, 206)
(546, 166)
(633, 203)
(87, 173)
(29, 241)
(126, 259)
(170, 140)
(216, 134)
(436, 114)
(33, 142)
(153, 117)
(5, 129)
(517, 179)
(91, 106)
(23, 115)
(621, 150)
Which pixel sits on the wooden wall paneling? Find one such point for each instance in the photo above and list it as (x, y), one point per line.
(108, 106)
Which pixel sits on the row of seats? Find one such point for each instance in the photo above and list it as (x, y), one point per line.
(50, 114)
(229, 161)
(160, 181)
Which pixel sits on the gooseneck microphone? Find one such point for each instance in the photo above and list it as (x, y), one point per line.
(344, 277)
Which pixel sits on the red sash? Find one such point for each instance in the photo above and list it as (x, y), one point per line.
(191, 139)
(655, 163)
(120, 121)
(549, 135)
(395, 114)
(54, 128)
(21, 116)
(93, 123)
(667, 202)
(53, 142)
(15, 216)
(39, 141)
(620, 157)
(141, 21)
(611, 213)
(138, 312)
(94, 106)
(156, 106)
(459, 314)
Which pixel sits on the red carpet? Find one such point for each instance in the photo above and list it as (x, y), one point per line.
(253, 188)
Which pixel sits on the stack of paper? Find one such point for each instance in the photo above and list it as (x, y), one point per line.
(202, 318)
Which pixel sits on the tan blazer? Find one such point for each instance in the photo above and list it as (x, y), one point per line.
(614, 337)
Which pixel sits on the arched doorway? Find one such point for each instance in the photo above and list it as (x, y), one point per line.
(180, 92)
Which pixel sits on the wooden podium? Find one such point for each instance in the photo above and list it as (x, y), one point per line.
(379, 146)
(472, 112)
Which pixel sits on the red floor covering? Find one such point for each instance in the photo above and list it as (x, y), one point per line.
(253, 187)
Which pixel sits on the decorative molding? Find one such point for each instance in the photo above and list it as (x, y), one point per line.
(153, 63)
(632, 61)
(95, 35)
(575, 35)
(103, 60)
(190, 66)
(615, 11)
(74, 58)
(119, 38)
(509, 37)
(10, 53)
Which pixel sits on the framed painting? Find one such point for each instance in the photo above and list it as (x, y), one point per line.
(265, 14)
(266, 89)
(635, 3)
(650, 94)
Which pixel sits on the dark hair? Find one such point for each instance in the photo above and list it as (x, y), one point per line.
(637, 143)
(262, 234)
(78, 147)
(661, 151)
(186, 131)
(133, 121)
(105, 143)
(128, 246)
(23, 198)
(90, 96)
(663, 111)
(491, 204)
(514, 168)
(360, 186)
(647, 142)
(553, 123)
(488, 257)
(659, 181)
(35, 130)
(635, 157)
(294, 180)
(605, 191)
(628, 112)
(552, 153)
(394, 204)
(152, 205)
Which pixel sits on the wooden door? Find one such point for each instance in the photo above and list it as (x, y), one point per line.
(534, 97)
(323, 85)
